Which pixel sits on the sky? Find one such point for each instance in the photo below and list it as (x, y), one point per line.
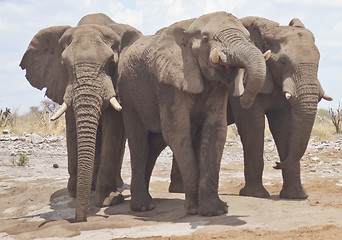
(20, 20)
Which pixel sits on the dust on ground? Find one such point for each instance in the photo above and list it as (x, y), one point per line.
(34, 201)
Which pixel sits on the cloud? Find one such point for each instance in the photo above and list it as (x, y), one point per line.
(316, 3)
(21, 20)
(129, 16)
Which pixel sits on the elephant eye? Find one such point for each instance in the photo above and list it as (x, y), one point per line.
(205, 39)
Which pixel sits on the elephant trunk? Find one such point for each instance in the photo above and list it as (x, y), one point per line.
(303, 112)
(87, 103)
(241, 53)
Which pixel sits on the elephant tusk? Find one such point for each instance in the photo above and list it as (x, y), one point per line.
(116, 105)
(327, 97)
(238, 87)
(214, 57)
(59, 112)
(288, 95)
(267, 54)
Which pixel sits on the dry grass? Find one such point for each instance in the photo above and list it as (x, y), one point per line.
(323, 128)
(32, 123)
(39, 122)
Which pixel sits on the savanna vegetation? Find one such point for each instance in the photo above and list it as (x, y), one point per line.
(327, 125)
(37, 120)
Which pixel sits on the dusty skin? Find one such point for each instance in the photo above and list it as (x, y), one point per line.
(34, 201)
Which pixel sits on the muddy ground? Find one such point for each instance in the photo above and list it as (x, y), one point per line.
(34, 202)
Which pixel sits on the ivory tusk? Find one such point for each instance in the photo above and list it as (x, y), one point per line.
(214, 57)
(327, 97)
(238, 87)
(267, 54)
(116, 105)
(59, 112)
(288, 95)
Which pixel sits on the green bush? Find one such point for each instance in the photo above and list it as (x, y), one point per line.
(23, 160)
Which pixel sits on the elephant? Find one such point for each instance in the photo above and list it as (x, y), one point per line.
(289, 100)
(78, 68)
(173, 88)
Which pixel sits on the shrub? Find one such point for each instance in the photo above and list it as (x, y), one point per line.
(336, 118)
(23, 160)
(37, 120)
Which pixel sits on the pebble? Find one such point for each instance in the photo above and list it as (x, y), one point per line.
(29, 143)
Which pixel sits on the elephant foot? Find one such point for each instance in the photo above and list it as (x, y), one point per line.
(255, 191)
(124, 187)
(72, 187)
(141, 203)
(176, 187)
(191, 207)
(293, 192)
(119, 182)
(114, 198)
(213, 207)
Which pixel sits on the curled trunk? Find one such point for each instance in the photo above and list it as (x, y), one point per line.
(241, 53)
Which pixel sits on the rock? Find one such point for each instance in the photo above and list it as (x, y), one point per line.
(52, 139)
(14, 138)
(35, 138)
(6, 132)
(55, 165)
(315, 158)
(319, 147)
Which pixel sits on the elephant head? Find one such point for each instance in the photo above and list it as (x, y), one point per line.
(292, 68)
(77, 66)
(214, 46)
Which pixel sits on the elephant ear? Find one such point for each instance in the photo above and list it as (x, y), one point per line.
(296, 23)
(127, 34)
(174, 63)
(42, 61)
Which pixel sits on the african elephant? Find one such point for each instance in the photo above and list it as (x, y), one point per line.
(174, 91)
(289, 100)
(78, 68)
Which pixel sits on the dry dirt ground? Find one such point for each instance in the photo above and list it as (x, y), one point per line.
(34, 203)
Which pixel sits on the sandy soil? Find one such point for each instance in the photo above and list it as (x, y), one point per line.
(34, 203)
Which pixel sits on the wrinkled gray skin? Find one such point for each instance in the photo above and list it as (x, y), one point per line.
(289, 100)
(292, 69)
(78, 66)
(173, 94)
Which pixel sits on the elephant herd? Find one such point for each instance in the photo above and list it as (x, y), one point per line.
(180, 88)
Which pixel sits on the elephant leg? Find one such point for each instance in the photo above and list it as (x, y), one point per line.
(112, 147)
(279, 122)
(210, 146)
(137, 136)
(71, 139)
(251, 124)
(176, 185)
(177, 134)
(157, 144)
